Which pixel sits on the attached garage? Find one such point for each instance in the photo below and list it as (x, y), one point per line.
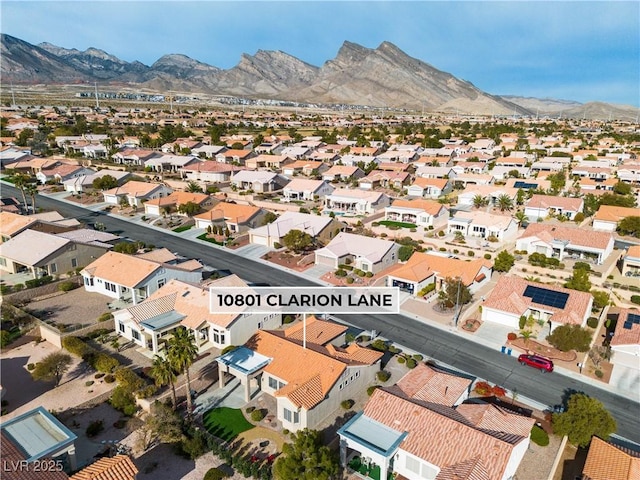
(259, 240)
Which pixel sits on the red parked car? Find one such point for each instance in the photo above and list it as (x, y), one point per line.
(536, 361)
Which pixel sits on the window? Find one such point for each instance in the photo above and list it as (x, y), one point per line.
(218, 336)
(135, 334)
(88, 281)
(287, 415)
(161, 282)
(3, 262)
(121, 326)
(110, 286)
(74, 262)
(273, 383)
(53, 268)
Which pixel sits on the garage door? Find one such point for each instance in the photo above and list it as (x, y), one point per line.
(258, 240)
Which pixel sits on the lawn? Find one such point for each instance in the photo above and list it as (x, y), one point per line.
(207, 239)
(390, 223)
(226, 423)
(183, 228)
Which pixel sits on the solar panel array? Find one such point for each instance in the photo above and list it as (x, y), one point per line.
(631, 319)
(525, 185)
(547, 297)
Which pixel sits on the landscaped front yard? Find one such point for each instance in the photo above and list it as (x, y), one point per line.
(226, 423)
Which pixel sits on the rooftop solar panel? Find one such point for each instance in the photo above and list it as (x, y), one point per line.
(627, 325)
(634, 318)
(547, 297)
(525, 185)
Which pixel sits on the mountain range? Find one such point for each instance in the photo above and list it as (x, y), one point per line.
(380, 77)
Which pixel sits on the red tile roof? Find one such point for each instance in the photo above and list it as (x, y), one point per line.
(608, 462)
(576, 236)
(119, 467)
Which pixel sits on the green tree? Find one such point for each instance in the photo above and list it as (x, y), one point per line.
(579, 280)
(269, 217)
(52, 367)
(189, 209)
(163, 374)
(479, 201)
(405, 252)
(306, 459)
(629, 226)
(161, 425)
(503, 262)
(181, 353)
(21, 181)
(570, 337)
(31, 189)
(193, 187)
(584, 418)
(622, 188)
(130, 248)
(600, 298)
(297, 240)
(505, 202)
(558, 181)
(520, 196)
(521, 217)
(106, 182)
(453, 293)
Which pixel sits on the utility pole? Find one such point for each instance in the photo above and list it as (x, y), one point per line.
(95, 84)
(457, 311)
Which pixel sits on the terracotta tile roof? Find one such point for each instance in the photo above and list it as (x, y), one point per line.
(235, 153)
(211, 166)
(634, 251)
(394, 166)
(608, 462)
(550, 201)
(179, 198)
(625, 336)
(121, 269)
(422, 265)
(139, 189)
(341, 170)
(12, 223)
(429, 385)
(12, 454)
(354, 354)
(159, 255)
(319, 332)
(300, 164)
(230, 212)
(119, 467)
(431, 182)
(609, 213)
(309, 374)
(440, 435)
(428, 206)
(575, 236)
(507, 296)
(33, 248)
(472, 469)
(386, 175)
(492, 418)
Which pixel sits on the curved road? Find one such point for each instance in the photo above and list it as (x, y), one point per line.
(433, 342)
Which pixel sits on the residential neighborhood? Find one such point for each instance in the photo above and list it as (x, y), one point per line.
(521, 242)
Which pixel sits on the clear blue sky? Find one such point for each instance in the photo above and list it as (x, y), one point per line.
(573, 50)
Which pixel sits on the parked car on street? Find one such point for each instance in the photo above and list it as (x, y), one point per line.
(536, 361)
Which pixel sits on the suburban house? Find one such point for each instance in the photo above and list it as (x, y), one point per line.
(30, 440)
(135, 193)
(423, 213)
(365, 253)
(429, 187)
(10, 204)
(85, 182)
(119, 467)
(342, 173)
(12, 224)
(62, 173)
(631, 262)
(208, 151)
(625, 348)
(465, 179)
(414, 430)
(424, 269)
(560, 241)
(45, 254)
(180, 304)
(503, 172)
(235, 157)
(384, 179)
(483, 225)
(321, 228)
(345, 201)
(172, 202)
(610, 461)
(585, 170)
(542, 206)
(308, 378)
(588, 185)
(353, 160)
(170, 163)
(304, 189)
(514, 297)
(237, 218)
(209, 171)
(259, 181)
(528, 184)
(607, 217)
(274, 162)
(436, 172)
(297, 153)
(305, 167)
(132, 278)
(629, 173)
(133, 156)
(490, 193)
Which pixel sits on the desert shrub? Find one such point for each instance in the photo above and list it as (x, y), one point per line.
(379, 344)
(340, 273)
(193, 447)
(522, 322)
(383, 375)
(401, 360)
(277, 245)
(37, 282)
(471, 253)
(109, 378)
(257, 415)
(105, 316)
(215, 474)
(426, 290)
(94, 428)
(441, 233)
(88, 383)
(347, 404)
(371, 389)
(350, 280)
(104, 362)
(599, 373)
(98, 375)
(368, 274)
(487, 256)
(483, 389)
(570, 337)
(417, 357)
(123, 400)
(249, 409)
(76, 346)
(129, 379)
(635, 299)
(31, 366)
(66, 286)
(592, 322)
(539, 436)
(411, 363)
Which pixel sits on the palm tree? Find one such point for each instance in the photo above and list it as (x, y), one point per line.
(193, 187)
(505, 202)
(526, 335)
(479, 201)
(181, 353)
(32, 190)
(521, 217)
(21, 182)
(163, 373)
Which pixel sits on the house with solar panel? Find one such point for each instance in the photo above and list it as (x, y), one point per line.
(542, 206)
(625, 349)
(514, 297)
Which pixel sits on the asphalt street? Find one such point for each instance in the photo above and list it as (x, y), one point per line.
(438, 344)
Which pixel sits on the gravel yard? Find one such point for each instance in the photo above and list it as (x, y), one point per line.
(74, 307)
